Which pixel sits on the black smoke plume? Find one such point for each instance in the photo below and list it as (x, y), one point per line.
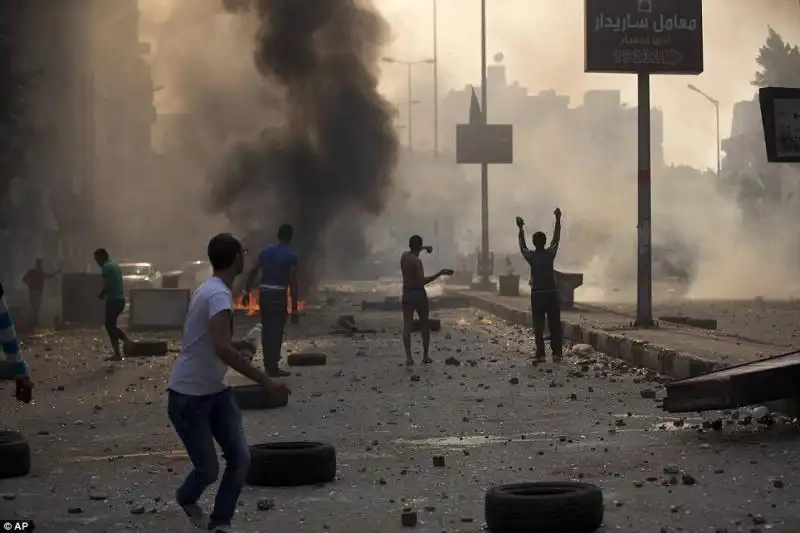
(333, 158)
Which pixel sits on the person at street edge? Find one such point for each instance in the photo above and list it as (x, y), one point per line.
(114, 294)
(12, 352)
(545, 305)
(35, 280)
(415, 297)
(201, 406)
(277, 264)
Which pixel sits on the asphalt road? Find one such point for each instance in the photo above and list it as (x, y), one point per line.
(105, 458)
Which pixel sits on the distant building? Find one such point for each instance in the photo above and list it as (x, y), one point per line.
(597, 129)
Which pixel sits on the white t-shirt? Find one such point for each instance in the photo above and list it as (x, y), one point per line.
(198, 371)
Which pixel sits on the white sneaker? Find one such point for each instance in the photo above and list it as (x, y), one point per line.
(196, 515)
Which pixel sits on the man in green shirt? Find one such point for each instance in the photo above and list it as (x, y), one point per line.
(114, 294)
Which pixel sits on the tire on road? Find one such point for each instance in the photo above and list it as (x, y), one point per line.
(560, 507)
(15, 455)
(255, 397)
(306, 359)
(291, 464)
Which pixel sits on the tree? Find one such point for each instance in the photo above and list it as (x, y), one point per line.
(14, 84)
(778, 63)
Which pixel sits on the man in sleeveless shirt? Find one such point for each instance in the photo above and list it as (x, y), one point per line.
(545, 305)
(415, 297)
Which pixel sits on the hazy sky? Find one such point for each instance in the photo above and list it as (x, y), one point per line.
(543, 46)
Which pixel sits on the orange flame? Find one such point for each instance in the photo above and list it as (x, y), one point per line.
(253, 307)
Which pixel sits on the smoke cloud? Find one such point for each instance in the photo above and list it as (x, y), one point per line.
(331, 158)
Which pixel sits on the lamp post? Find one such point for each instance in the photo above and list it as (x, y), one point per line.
(409, 103)
(409, 65)
(715, 102)
(436, 83)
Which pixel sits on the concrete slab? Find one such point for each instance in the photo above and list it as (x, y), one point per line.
(672, 350)
(158, 309)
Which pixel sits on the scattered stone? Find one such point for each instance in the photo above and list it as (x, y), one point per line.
(408, 518)
(514, 381)
(415, 378)
(777, 483)
(75, 510)
(438, 461)
(688, 479)
(648, 394)
(265, 504)
(452, 361)
(137, 510)
(98, 497)
(672, 470)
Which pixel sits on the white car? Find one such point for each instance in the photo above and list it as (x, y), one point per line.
(140, 276)
(194, 273)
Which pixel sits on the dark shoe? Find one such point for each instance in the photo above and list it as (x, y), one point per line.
(278, 373)
(557, 358)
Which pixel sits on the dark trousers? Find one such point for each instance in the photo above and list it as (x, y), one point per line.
(273, 321)
(546, 308)
(114, 308)
(199, 421)
(35, 299)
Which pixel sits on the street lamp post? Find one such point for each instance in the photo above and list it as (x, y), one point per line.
(435, 84)
(409, 65)
(715, 102)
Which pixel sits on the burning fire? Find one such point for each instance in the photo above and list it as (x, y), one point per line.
(253, 308)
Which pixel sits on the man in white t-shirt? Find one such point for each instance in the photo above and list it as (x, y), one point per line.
(201, 406)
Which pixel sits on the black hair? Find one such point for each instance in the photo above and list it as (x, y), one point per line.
(285, 233)
(415, 242)
(539, 239)
(102, 253)
(222, 250)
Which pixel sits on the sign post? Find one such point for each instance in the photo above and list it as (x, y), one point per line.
(644, 37)
(481, 143)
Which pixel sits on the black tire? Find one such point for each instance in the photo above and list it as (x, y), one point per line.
(565, 507)
(7, 370)
(255, 397)
(291, 464)
(15, 455)
(306, 359)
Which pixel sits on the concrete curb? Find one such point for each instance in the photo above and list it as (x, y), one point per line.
(667, 362)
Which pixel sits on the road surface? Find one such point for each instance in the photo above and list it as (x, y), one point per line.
(106, 460)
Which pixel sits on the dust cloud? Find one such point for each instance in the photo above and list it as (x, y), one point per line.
(203, 57)
(702, 238)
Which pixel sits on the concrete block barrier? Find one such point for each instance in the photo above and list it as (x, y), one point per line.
(158, 309)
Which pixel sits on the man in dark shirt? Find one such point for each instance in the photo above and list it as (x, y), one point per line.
(35, 279)
(278, 266)
(544, 291)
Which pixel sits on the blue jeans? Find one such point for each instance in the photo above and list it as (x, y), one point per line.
(199, 421)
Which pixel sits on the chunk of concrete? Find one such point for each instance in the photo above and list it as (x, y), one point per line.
(567, 282)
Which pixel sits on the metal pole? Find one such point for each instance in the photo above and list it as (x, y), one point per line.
(410, 105)
(485, 280)
(435, 84)
(719, 148)
(644, 279)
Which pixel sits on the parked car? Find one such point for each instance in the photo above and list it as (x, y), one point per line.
(140, 276)
(193, 273)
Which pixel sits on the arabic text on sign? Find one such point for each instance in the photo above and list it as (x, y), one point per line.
(639, 57)
(657, 24)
